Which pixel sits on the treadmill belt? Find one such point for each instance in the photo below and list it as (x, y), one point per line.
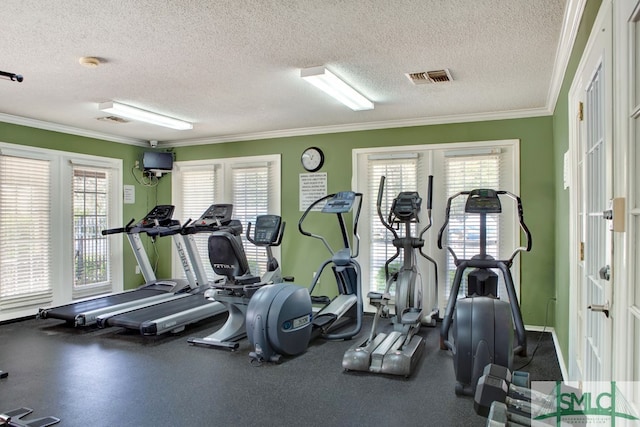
(70, 311)
(144, 316)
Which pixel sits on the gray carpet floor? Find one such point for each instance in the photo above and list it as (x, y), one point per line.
(113, 377)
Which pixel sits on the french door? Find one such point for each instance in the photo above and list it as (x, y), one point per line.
(591, 96)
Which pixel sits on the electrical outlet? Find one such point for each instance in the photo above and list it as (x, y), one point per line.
(137, 164)
(137, 269)
(313, 276)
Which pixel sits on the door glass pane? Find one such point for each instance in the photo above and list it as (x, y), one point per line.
(90, 208)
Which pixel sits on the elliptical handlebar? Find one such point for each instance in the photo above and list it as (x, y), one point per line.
(356, 218)
(430, 192)
(304, 215)
(379, 207)
(523, 226)
(338, 210)
(429, 204)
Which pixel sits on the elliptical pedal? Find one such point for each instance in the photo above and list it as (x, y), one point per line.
(10, 418)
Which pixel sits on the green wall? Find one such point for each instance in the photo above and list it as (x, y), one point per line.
(561, 145)
(301, 256)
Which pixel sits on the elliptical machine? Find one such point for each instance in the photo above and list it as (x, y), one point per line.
(482, 323)
(280, 317)
(236, 288)
(398, 352)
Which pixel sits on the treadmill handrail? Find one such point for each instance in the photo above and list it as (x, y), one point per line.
(119, 229)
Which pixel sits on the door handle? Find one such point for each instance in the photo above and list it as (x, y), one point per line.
(605, 272)
(600, 308)
(608, 214)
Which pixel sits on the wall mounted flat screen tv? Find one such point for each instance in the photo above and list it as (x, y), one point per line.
(155, 161)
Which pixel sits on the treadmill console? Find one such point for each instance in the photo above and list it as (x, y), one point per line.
(159, 216)
(216, 214)
(267, 229)
(483, 201)
(340, 203)
(215, 218)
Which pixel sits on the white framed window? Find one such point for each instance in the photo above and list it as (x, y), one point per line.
(454, 166)
(53, 206)
(251, 184)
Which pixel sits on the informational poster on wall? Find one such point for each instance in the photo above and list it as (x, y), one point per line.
(313, 186)
(129, 194)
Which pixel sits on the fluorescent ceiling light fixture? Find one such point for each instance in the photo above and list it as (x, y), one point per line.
(325, 80)
(134, 113)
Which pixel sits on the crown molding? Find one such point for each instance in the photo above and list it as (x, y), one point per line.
(570, 25)
(389, 124)
(285, 133)
(55, 127)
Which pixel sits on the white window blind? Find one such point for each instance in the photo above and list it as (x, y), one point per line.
(198, 192)
(91, 260)
(465, 173)
(401, 174)
(25, 229)
(250, 189)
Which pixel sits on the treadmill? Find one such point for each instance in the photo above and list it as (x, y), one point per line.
(157, 222)
(173, 316)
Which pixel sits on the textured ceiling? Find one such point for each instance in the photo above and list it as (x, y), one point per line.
(232, 66)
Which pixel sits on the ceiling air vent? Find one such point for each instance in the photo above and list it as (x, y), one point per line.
(113, 119)
(424, 77)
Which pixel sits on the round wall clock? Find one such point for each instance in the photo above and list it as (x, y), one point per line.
(312, 159)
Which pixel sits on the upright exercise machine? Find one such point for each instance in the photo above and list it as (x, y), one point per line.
(236, 288)
(280, 317)
(158, 220)
(482, 324)
(397, 352)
